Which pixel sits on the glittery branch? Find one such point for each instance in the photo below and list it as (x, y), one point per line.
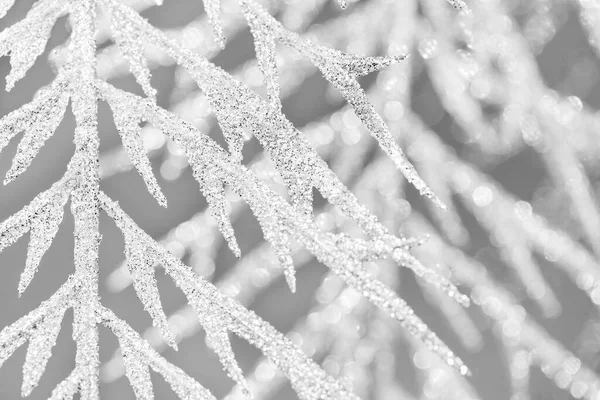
(297, 161)
(42, 216)
(47, 119)
(132, 47)
(272, 211)
(139, 357)
(326, 181)
(69, 387)
(238, 283)
(340, 69)
(294, 167)
(84, 201)
(214, 192)
(533, 233)
(238, 109)
(325, 332)
(141, 268)
(217, 310)
(38, 119)
(5, 5)
(295, 73)
(40, 327)
(213, 10)
(25, 41)
(128, 119)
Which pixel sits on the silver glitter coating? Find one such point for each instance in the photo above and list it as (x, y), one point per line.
(217, 310)
(214, 192)
(39, 350)
(140, 357)
(217, 338)
(372, 12)
(264, 43)
(269, 207)
(26, 40)
(68, 388)
(43, 230)
(341, 70)
(213, 10)
(127, 120)
(137, 372)
(42, 216)
(40, 328)
(296, 161)
(123, 107)
(84, 203)
(132, 47)
(45, 121)
(540, 237)
(38, 119)
(141, 269)
(5, 5)
(237, 108)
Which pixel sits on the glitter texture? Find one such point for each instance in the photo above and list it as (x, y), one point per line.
(337, 252)
(299, 163)
(472, 64)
